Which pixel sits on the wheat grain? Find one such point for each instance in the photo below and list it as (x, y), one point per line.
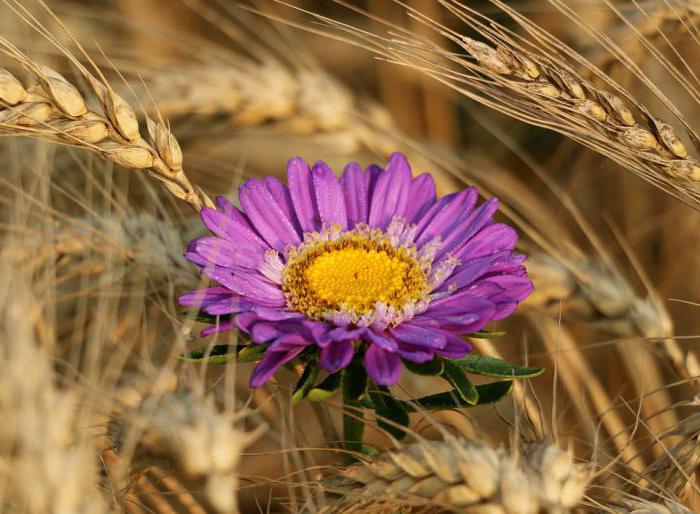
(462, 476)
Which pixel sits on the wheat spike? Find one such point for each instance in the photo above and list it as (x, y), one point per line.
(52, 109)
(463, 477)
(186, 434)
(675, 469)
(635, 505)
(536, 85)
(47, 463)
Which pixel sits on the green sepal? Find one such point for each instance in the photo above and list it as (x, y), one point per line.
(486, 334)
(389, 408)
(306, 382)
(488, 393)
(459, 380)
(493, 367)
(432, 368)
(326, 389)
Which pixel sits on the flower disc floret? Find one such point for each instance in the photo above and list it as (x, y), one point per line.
(351, 275)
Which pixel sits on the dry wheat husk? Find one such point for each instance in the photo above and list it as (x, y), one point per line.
(53, 109)
(461, 476)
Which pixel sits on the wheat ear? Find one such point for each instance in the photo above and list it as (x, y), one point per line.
(53, 109)
(186, 434)
(533, 83)
(463, 477)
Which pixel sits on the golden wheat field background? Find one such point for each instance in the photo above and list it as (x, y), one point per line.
(122, 118)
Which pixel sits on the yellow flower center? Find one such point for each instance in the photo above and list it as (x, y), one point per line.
(352, 274)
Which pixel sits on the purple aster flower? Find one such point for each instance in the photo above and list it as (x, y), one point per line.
(370, 262)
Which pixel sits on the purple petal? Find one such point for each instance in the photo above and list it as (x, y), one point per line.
(472, 270)
(215, 329)
(329, 196)
(232, 226)
(204, 296)
(230, 305)
(227, 254)
(301, 189)
(279, 353)
(380, 340)
(225, 206)
(490, 240)
(282, 198)
(469, 226)
(517, 288)
(336, 355)
(459, 303)
(456, 347)
(391, 190)
(268, 218)
(382, 366)
(445, 215)
(416, 353)
(247, 284)
(355, 189)
(421, 196)
(418, 336)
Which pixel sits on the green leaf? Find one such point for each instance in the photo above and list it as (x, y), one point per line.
(203, 317)
(389, 408)
(354, 380)
(252, 352)
(325, 389)
(493, 367)
(219, 354)
(433, 368)
(223, 353)
(305, 382)
(456, 376)
(488, 393)
(486, 334)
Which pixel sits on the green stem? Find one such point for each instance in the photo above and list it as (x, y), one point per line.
(353, 424)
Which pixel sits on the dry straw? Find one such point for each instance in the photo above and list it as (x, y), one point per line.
(461, 476)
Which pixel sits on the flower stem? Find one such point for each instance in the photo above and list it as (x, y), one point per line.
(353, 424)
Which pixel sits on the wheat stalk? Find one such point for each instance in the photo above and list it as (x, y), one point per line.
(53, 109)
(461, 476)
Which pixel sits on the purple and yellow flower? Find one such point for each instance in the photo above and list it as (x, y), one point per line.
(371, 262)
